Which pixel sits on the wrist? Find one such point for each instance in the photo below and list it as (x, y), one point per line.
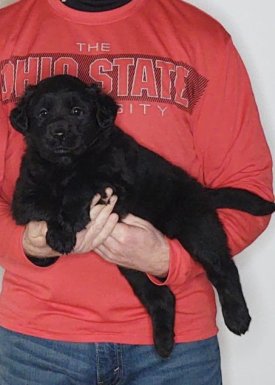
(164, 261)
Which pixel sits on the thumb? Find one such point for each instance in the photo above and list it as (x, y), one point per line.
(132, 220)
(37, 229)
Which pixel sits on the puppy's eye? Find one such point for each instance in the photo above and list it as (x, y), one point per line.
(77, 111)
(43, 112)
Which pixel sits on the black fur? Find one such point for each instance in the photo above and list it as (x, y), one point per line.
(74, 151)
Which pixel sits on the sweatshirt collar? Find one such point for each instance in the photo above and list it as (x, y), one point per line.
(96, 18)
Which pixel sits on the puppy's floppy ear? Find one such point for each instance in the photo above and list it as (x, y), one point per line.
(18, 116)
(106, 107)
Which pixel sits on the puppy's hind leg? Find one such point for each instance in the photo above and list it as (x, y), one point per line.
(225, 278)
(159, 302)
(208, 245)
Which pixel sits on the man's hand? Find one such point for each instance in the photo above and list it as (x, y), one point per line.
(133, 243)
(136, 244)
(101, 226)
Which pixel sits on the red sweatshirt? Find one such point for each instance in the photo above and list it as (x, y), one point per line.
(184, 93)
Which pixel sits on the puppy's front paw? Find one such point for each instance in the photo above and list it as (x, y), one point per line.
(75, 218)
(61, 240)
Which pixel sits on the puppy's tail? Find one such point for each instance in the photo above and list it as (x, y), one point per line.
(239, 199)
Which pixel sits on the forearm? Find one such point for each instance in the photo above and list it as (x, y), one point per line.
(241, 230)
(181, 266)
(11, 236)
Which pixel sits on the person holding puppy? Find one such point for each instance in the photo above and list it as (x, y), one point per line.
(184, 93)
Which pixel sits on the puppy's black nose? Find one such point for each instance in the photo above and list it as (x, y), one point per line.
(58, 129)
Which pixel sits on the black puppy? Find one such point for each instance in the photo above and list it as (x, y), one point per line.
(74, 151)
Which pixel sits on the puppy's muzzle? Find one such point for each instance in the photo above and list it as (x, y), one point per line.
(58, 129)
(61, 137)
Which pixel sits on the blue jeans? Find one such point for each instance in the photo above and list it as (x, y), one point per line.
(26, 360)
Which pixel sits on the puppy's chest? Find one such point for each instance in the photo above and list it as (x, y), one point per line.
(86, 181)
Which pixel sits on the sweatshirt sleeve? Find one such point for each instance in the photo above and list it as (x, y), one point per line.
(231, 145)
(11, 249)
(233, 151)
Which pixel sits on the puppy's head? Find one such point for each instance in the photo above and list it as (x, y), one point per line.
(62, 117)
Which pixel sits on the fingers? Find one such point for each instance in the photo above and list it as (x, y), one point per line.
(106, 230)
(95, 234)
(102, 224)
(132, 220)
(103, 221)
(37, 229)
(95, 200)
(98, 197)
(96, 208)
(109, 193)
(101, 212)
